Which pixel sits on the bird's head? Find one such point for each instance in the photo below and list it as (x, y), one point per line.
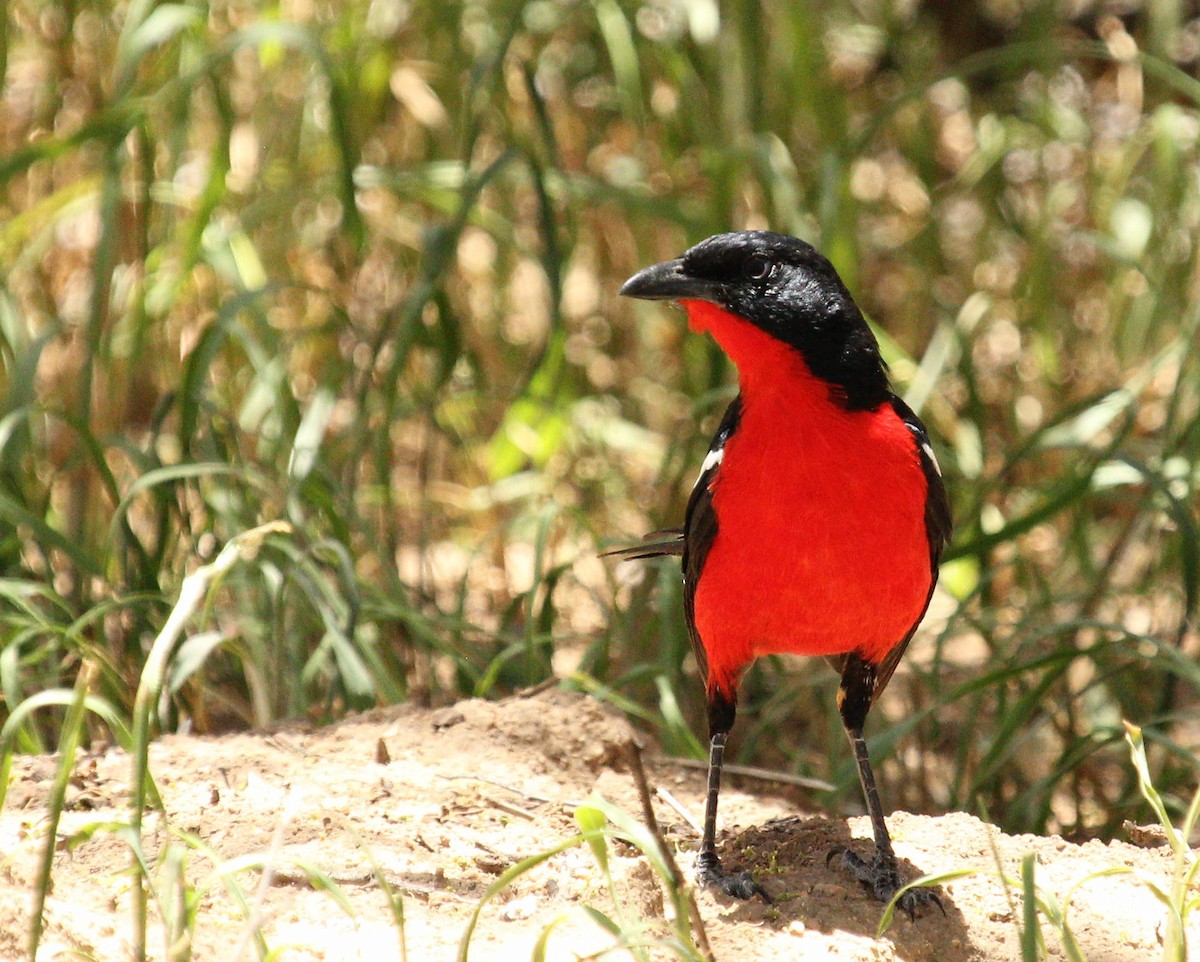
(746, 284)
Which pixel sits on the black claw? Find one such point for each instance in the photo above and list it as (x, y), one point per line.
(740, 885)
(879, 876)
(914, 899)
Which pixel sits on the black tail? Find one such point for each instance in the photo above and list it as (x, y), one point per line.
(670, 542)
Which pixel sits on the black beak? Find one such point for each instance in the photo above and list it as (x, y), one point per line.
(667, 281)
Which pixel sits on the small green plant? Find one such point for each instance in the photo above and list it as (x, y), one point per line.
(600, 822)
(1038, 905)
(194, 594)
(1179, 899)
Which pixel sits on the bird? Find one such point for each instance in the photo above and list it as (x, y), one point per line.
(819, 517)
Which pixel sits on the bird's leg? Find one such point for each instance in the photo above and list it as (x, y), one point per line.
(721, 712)
(881, 874)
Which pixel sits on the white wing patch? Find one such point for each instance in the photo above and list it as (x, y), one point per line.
(713, 458)
(926, 447)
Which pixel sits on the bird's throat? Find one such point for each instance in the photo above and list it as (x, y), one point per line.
(764, 363)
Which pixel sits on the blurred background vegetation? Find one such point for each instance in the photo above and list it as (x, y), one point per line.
(352, 266)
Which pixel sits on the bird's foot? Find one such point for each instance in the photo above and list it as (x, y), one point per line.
(738, 885)
(881, 878)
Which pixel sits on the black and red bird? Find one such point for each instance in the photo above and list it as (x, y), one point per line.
(819, 517)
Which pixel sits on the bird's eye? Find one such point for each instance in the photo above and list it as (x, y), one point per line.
(756, 267)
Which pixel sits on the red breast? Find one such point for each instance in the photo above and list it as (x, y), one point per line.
(821, 545)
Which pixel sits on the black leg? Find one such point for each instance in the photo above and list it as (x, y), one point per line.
(716, 755)
(721, 712)
(881, 874)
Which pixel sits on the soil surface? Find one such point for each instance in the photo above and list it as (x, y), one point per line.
(440, 803)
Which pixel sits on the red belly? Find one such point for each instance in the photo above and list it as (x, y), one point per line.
(821, 545)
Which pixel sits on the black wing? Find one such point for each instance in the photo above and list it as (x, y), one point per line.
(937, 506)
(694, 539)
(700, 525)
(937, 530)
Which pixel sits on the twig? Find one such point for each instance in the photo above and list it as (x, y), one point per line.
(679, 807)
(497, 803)
(752, 771)
(508, 788)
(676, 880)
(534, 690)
(511, 809)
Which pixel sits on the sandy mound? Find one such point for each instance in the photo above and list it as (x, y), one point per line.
(443, 802)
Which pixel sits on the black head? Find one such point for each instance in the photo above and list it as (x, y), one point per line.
(786, 288)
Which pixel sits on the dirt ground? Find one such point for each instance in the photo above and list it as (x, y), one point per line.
(443, 802)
